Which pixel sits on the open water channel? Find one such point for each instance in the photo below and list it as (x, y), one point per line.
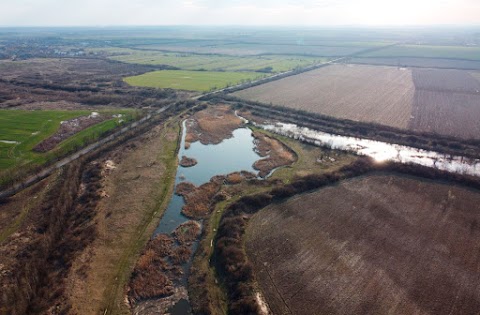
(380, 151)
(237, 154)
(231, 155)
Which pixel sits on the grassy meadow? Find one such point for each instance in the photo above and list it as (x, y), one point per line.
(191, 80)
(21, 131)
(185, 61)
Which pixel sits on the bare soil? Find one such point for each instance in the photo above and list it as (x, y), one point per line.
(419, 62)
(379, 244)
(377, 94)
(446, 102)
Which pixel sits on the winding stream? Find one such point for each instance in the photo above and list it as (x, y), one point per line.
(231, 155)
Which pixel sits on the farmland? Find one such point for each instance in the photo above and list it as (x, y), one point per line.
(438, 101)
(21, 131)
(191, 80)
(188, 61)
(380, 244)
(446, 102)
(419, 62)
(241, 49)
(325, 232)
(426, 51)
(375, 94)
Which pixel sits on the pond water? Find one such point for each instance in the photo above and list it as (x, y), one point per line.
(380, 151)
(231, 155)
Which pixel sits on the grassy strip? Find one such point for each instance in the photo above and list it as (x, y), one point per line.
(191, 80)
(114, 291)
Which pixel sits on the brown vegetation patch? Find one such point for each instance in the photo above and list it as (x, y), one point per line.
(153, 277)
(158, 271)
(377, 94)
(373, 245)
(198, 202)
(63, 81)
(184, 188)
(67, 129)
(187, 232)
(238, 177)
(212, 125)
(187, 162)
(446, 102)
(275, 152)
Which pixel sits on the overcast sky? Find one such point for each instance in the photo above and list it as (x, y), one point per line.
(237, 12)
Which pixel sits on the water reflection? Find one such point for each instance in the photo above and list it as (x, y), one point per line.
(231, 155)
(380, 151)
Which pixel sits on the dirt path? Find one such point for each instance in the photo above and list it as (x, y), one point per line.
(136, 192)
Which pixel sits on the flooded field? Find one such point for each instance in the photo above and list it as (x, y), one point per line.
(380, 151)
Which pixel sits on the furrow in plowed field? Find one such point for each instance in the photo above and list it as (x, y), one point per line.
(380, 244)
(382, 95)
(446, 102)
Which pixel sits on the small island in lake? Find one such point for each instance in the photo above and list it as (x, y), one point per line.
(187, 162)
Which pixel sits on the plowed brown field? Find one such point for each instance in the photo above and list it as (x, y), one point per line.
(364, 93)
(380, 244)
(446, 102)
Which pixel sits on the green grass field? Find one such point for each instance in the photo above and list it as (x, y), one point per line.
(424, 51)
(21, 130)
(186, 61)
(191, 80)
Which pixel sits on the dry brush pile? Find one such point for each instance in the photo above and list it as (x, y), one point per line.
(159, 268)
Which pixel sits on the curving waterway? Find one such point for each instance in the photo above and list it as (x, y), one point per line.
(238, 154)
(231, 155)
